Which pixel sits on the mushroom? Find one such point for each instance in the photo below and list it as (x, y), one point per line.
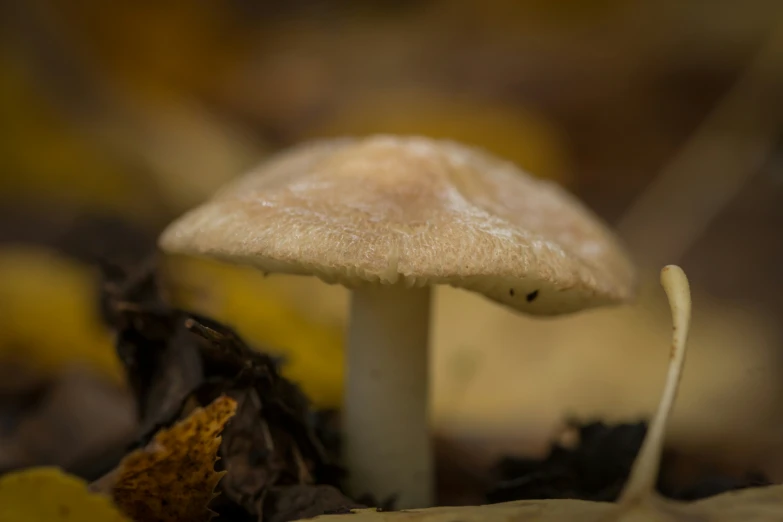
(390, 217)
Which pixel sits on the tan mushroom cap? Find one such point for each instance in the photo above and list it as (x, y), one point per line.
(412, 211)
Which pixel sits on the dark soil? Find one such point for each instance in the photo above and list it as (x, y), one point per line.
(597, 467)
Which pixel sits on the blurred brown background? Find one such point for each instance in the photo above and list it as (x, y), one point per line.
(118, 116)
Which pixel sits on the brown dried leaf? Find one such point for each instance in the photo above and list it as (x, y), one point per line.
(173, 479)
(273, 441)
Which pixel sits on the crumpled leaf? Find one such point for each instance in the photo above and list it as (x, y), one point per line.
(49, 495)
(276, 451)
(173, 479)
(639, 502)
(272, 444)
(162, 365)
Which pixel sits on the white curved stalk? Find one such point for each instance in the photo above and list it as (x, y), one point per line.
(644, 473)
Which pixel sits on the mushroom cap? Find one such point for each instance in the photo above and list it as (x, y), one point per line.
(412, 211)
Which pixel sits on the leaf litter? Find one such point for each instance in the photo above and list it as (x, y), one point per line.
(278, 465)
(173, 478)
(591, 461)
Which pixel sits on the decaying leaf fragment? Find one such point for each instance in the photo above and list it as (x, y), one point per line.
(274, 448)
(639, 501)
(49, 495)
(173, 479)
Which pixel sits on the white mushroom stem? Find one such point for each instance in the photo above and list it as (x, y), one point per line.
(641, 483)
(386, 423)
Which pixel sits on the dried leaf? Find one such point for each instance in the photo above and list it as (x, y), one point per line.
(161, 362)
(272, 443)
(173, 479)
(49, 495)
(639, 502)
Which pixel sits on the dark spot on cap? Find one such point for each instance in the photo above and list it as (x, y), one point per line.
(511, 292)
(531, 296)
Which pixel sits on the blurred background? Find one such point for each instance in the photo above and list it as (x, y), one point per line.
(664, 117)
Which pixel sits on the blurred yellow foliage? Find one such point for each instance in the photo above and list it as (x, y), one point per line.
(136, 141)
(511, 132)
(45, 156)
(285, 315)
(153, 48)
(49, 495)
(49, 314)
(173, 479)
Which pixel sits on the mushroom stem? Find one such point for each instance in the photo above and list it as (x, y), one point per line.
(386, 422)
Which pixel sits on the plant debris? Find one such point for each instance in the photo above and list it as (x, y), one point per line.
(597, 468)
(276, 465)
(173, 479)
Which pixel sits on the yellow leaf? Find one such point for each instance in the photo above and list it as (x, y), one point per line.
(50, 318)
(173, 479)
(49, 495)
